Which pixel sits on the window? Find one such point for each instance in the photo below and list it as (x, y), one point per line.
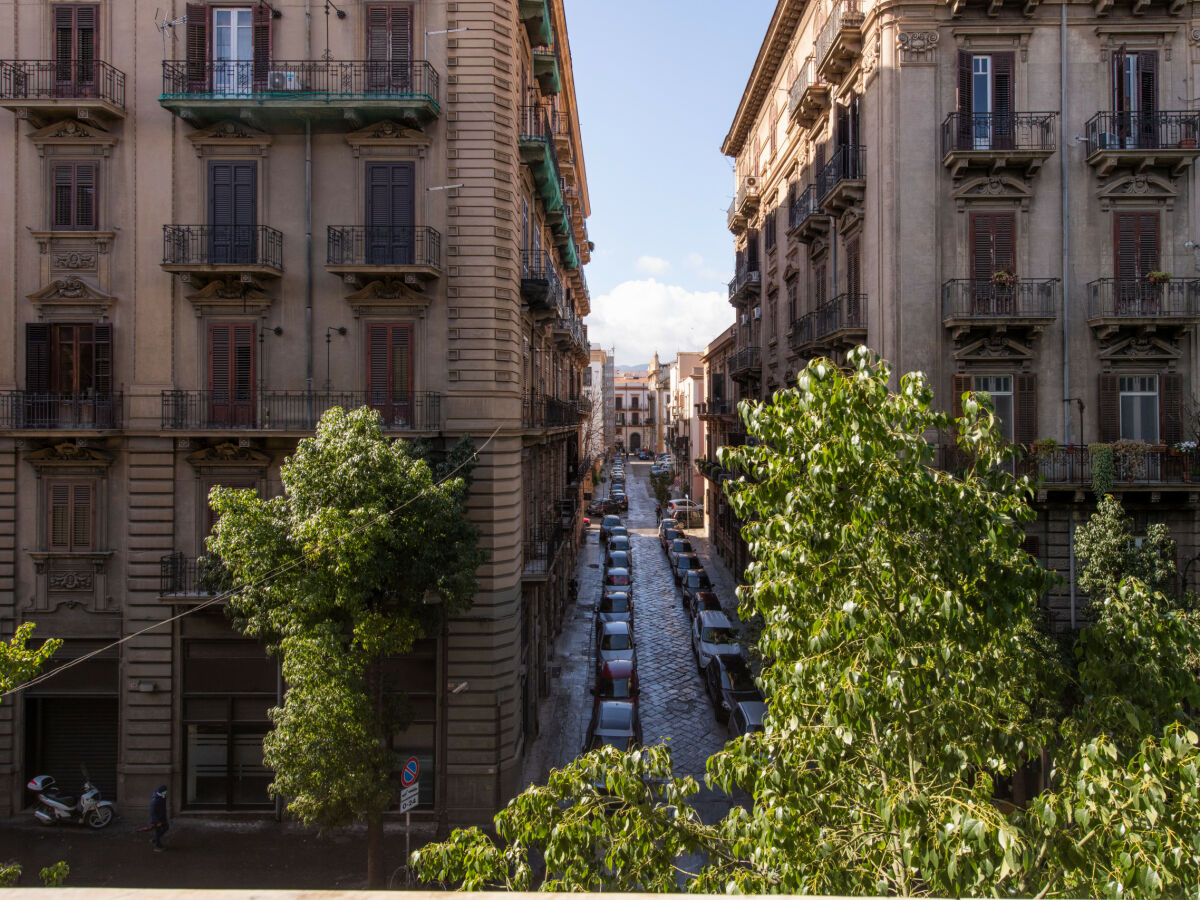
(633, 402)
(635, 419)
(992, 251)
(769, 226)
(620, 402)
(228, 48)
(389, 48)
(390, 372)
(70, 517)
(772, 314)
(1139, 408)
(231, 374)
(620, 418)
(1135, 99)
(69, 359)
(75, 49)
(74, 197)
(1000, 389)
(587, 377)
(792, 286)
(818, 285)
(233, 211)
(985, 101)
(391, 213)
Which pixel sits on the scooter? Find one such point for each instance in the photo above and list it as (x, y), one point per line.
(53, 807)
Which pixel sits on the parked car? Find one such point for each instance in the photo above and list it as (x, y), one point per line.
(663, 525)
(670, 534)
(693, 582)
(656, 471)
(728, 681)
(618, 531)
(615, 606)
(617, 578)
(621, 499)
(677, 546)
(746, 717)
(595, 508)
(618, 559)
(614, 723)
(614, 640)
(702, 601)
(712, 633)
(683, 504)
(644, 454)
(607, 525)
(684, 562)
(611, 507)
(620, 542)
(616, 680)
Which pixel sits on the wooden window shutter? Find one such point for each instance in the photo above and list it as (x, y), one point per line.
(1137, 249)
(37, 358)
(1033, 546)
(401, 374)
(1147, 62)
(197, 48)
(852, 266)
(81, 517)
(819, 286)
(377, 362)
(102, 382)
(218, 360)
(243, 361)
(993, 243)
(70, 516)
(1025, 402)
(60, 516)
(966, 123)
(85, 197)
(1110, 409)
(1170, 406)
(752, 250)
(1002, 99)
(960, 384)
(1003, 242)
(1147, 243)
(64, 191)
(401, 49)
(262, 45)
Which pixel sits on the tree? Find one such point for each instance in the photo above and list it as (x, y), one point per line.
(363, 554)
(906, 672)
(1108, 552)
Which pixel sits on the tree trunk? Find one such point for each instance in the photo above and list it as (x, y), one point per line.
(375, 851)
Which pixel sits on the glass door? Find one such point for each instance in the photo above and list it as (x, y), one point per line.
(233, 50)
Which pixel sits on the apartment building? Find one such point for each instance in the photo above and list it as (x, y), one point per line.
(634, 413)
(221, 221)
(1000, 195)
(599, 429)
(686, 387)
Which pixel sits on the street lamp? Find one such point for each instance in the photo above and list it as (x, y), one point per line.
(341, 330)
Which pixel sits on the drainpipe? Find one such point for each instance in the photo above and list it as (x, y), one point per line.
(1066, 279)
(308, 270)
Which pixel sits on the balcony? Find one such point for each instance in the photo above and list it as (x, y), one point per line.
(1116, 303)
(539, 152)
(541, 411)
(29, 411)
(360, 253)
(1142, 140)
(214, 251)
(806, 221)
(540, 549)
(43, 90)
(1017, 141)
(842, 183)
(745, 284)
(545, 70)
(181, 577)
(570, 334)
(734, 220)
(837, 325)
(295, 411)
(716, 410)
(745, 364)
(809, 96)
(1017, 302)
(840, 41)
(800, 334)
(1070, 467)
(334, 95)
(541, 287)
(535, 15)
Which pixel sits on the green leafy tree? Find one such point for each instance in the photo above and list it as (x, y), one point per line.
(363, 554)
(1108, 553)
(906, 669)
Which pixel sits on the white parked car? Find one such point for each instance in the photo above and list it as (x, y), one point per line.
(713, 632)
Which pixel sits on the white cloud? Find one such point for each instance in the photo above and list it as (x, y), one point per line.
(697, 264)
(652, 265)
(641, 317)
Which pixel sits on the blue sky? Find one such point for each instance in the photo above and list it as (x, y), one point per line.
(657, 83)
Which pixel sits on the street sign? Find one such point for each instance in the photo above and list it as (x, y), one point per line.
(408, 775)
(408, 797)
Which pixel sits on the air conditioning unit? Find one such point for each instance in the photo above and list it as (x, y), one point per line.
(1106, 140)
(745, 319)
(283, 81)
(751, 181)
(757, 313)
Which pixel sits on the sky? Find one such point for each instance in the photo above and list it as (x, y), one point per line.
(657, 84)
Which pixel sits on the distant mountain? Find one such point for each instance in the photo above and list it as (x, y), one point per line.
(633, 370)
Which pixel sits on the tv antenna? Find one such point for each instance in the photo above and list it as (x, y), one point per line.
(162, 24)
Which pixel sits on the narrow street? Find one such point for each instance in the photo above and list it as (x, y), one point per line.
(674, 707)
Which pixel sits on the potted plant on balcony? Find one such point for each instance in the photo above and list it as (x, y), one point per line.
(1186, 450)
(1130, 457)
(1003, 278)
(1043, 451)
(1103, 469)
(1158, 277)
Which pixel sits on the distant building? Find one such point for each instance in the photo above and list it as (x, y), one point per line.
(634, 413)
(721, 428)
(597, 389)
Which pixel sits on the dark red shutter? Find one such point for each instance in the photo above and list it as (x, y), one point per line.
(964, 134)
(389, 372)
(1120, 69)
(1110, 409)
(1170, 405)
(81, 517)
(1148, 134)
(64, 191)
(1025, 403)
(85, 197)
(37, 358)
(262, 46)
(389, 47)
(1002, 99)
(960, 384)
(70, 516)
(75, 48)
(231, 374)
(197, 48)
(1137, 245)
(854, 309)
(60, 516)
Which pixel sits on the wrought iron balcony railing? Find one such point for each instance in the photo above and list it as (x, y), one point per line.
(293, 410)
(848, 163)
(1072, 465)
(540, 547)
(803, 205)
(185, 576)
(846, 15)
(997, 132)
(49, 79)
(222, 245)
(541, 411)
(747, 359)
(1165, 130)
(37, 411)
(714, 408)
(1139, 298)
(290, 79)
(805, 78)
(394, 245)
(847, 311)
(747, 276)
(1015, 298)
(541, 285)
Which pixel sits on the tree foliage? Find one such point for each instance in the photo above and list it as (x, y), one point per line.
(363, 553)
(18, 662)
(907, 671)
(1108, 553)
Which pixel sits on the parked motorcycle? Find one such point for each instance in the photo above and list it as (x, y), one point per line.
(86, 809)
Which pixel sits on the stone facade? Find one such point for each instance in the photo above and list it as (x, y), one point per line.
(1002, 196)
(202, 254)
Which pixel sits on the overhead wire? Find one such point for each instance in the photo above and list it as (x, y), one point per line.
(225, 595)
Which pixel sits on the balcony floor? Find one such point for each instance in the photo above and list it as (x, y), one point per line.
(286, 113)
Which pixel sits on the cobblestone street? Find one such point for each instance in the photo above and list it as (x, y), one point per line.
(674, 707)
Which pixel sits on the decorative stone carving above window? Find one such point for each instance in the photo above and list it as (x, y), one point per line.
(71, 298)
(69, 458)
(993, 188)
(229, 295)
(71, 581)
(390, 294)
(224, 457)
(1135, 37)
(918, 47)
(71, 137)
(1138, 189)
(230, 138)
(388, 138)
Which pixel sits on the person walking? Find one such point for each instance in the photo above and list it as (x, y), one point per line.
(657, 512)
(158, 817)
